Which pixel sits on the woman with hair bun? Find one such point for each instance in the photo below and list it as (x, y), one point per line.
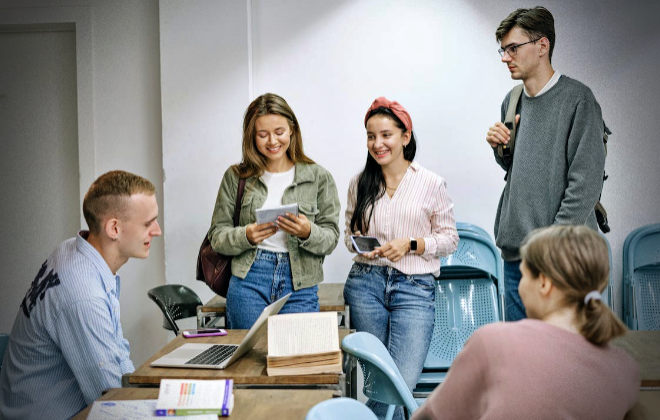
(556, 364)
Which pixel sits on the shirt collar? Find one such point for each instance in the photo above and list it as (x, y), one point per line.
(110, 281)
(553, 81)
(414, 165)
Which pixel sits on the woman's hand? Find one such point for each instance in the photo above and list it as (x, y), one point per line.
(395, 249)
(257, 233)
(298, 226)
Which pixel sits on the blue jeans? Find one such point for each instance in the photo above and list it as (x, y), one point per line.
(515, 310)
(269, 279)
(398, 309)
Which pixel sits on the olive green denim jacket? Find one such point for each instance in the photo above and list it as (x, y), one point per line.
(315, 192)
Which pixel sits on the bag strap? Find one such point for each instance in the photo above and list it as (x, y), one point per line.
(505, 151)
(239, 200)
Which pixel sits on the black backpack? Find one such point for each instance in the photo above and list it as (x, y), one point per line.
(505, 151)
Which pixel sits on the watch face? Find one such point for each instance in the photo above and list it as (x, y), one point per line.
(413, 245)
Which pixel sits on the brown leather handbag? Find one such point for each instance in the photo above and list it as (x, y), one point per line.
(215, 269)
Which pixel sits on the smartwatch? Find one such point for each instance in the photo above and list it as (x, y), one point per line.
(413, 244)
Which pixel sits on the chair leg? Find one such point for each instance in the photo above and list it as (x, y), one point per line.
(390, 412)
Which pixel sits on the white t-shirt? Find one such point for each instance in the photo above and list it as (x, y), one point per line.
(276, 184)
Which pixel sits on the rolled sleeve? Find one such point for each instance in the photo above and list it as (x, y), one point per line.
(444, 237)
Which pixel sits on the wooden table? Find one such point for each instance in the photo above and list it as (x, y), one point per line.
(644, 347)
(331, 299)
(647, 407)
(249, 404)
(247, 372)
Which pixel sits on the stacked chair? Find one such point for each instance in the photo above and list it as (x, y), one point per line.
(607, 297)
(641, 278)
(468, 294)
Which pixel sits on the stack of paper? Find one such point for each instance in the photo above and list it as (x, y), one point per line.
(179, 397)
(303, 344)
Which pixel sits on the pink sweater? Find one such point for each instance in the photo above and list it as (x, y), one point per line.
(532, 370)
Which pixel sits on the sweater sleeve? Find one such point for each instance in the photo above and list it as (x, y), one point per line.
(586, 163)
(462, 393)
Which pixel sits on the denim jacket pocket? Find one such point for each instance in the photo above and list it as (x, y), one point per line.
(245, 217)
(310, 210)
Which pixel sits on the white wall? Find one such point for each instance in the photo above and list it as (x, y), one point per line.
(330, 59)
(119, 127)
(439, 59)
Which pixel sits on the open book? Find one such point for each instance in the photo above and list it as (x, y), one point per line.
(184, 397)
(303, 344)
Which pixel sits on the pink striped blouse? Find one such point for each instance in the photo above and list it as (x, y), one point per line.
(420, 207)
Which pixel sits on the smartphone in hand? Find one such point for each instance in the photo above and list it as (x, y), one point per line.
(206, 332)
(364, 244)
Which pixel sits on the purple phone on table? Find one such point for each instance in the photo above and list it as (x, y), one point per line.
(205, 332)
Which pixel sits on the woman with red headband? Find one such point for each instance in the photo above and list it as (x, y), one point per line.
(406, 207)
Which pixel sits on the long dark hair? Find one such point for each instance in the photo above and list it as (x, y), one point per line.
(371, 183)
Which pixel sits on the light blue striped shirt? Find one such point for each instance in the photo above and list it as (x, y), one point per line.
(67, 345)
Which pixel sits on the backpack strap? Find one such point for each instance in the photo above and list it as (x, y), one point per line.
(505, 151)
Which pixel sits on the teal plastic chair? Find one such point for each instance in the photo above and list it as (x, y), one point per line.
(382, 380)
(468, 295)
(4, 340)
(176, 302)
(642, 278)
(340, 408)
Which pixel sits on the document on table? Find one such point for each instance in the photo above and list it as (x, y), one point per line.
(133, 410)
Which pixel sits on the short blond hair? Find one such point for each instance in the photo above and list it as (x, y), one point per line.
(107, 197)
(576, 259)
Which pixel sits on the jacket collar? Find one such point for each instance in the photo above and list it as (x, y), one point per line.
(304, 173)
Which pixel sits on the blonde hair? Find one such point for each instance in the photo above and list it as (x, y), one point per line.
(576, 260)
(108, 197)
(254, 163)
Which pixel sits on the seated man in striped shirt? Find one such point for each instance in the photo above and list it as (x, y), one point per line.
(67, 344)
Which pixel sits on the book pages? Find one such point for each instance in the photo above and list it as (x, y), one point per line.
(303, 333)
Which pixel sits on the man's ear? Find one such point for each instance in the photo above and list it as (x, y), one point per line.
(544, 44)
(545, 285)
(111, 228)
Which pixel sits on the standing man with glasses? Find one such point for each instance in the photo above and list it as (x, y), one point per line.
(556, 174)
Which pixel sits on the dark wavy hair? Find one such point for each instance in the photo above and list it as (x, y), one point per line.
(371, 183)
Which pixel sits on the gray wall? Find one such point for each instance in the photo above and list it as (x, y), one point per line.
(119, 127)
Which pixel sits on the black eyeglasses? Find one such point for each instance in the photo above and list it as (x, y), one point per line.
(512, 50)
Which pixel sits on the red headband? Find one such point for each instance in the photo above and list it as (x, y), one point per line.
(393, 106)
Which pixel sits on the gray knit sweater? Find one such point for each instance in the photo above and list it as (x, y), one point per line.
(557, 172)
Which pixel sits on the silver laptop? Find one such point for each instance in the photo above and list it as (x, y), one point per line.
(218, 356)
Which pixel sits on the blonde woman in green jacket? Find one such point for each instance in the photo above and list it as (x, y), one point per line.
(274, 259)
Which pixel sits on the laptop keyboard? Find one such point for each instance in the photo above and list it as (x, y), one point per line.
(213, 355)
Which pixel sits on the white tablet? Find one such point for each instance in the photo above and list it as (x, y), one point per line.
(271, 215)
